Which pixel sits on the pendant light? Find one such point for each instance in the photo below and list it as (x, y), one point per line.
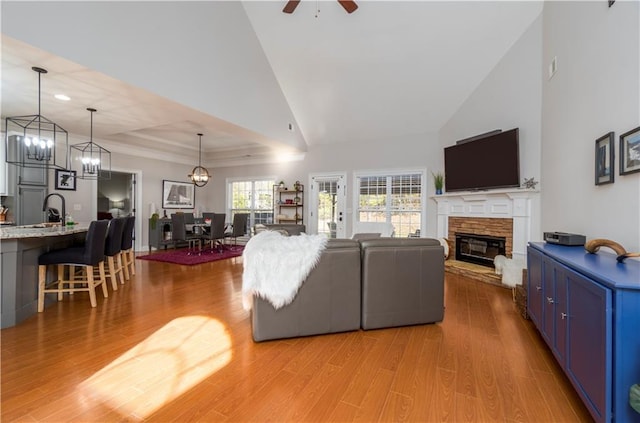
(93, 161)
(199, 175)
(33, 140)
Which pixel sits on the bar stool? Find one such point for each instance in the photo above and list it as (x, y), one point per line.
(90, 256)
(112, 248)
(127, 254)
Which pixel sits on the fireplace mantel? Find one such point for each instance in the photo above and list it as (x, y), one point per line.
(517, 204)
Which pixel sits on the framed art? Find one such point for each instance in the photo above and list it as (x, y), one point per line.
(630, 152)
(604, 159)
(178, 195)
(66, 179)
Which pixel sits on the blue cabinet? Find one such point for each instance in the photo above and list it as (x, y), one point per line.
(586, 306)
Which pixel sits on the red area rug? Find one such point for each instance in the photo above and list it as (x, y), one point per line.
(181, 257)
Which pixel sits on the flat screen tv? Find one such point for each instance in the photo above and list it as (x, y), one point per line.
(486, 163)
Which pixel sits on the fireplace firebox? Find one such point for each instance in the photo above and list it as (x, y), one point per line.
(479, 249)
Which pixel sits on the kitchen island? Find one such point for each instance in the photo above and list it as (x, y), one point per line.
(20, 247)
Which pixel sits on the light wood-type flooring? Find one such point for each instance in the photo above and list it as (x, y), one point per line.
(174, 345)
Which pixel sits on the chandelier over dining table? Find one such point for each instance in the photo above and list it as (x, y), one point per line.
(199, 175)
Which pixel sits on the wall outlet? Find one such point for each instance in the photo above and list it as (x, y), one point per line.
(77, 207)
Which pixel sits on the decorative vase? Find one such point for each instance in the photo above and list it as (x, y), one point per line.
(438, 191)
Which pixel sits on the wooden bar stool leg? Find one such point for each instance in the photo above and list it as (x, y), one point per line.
(120, 269)
(103, 279)
(42, 282)
(132, 260)
(125, 264)
(112, 273)
(92, 288)
(60, 282)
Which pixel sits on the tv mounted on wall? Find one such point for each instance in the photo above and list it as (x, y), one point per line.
(485, 163)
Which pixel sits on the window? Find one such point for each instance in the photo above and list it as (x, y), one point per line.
(254, 197)
(396, 198)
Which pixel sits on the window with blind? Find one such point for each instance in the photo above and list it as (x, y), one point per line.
(393, 198)
(254, 197)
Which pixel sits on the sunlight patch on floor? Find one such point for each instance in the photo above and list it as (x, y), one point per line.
(159, 369)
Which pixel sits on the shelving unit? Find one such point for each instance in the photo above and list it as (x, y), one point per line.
(288, 204)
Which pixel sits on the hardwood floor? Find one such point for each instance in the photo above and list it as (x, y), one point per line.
(174, 345)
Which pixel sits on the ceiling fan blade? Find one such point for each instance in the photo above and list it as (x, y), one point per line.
(349, 5)
(291, 6)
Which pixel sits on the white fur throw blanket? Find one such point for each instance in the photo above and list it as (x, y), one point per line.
(276, 265)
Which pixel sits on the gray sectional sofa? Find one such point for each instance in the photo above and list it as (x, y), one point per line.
(368, 284)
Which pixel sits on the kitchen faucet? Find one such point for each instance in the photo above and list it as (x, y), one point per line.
(63, 216)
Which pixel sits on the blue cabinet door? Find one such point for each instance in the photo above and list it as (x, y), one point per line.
(549, 268)
(554, 307)
(534, 286)
(589, 334)
(561, 314)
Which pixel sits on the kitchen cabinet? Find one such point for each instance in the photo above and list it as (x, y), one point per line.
(29, 185)
(28, 204)
(288, 205)
(7, 180)
(585, 307)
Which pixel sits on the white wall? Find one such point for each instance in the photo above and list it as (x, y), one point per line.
(595, 90)
(509, 97)
(417, 151)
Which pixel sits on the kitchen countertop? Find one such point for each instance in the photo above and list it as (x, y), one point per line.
(41, 230)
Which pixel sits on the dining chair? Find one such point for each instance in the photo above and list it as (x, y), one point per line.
(90, 256)
(239, 228)
(216, 230)
(189, 220)
(179, 233)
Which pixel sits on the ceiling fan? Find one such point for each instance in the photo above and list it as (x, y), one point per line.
(349, 5)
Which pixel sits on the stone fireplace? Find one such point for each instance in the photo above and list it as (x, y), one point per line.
(505, 213)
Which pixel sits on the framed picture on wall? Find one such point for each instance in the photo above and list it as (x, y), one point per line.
(66, 179)
(630, 152)
(604, 159)
(178, 195)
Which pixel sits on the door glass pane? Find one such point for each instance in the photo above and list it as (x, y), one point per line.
(327, 207)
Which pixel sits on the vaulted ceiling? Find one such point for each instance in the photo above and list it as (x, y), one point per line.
(390, 68)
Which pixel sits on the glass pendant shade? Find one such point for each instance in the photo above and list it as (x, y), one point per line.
(90, 160)
(34, 140)
(199, 175)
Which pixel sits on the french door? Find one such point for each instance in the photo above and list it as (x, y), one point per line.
(327, 200)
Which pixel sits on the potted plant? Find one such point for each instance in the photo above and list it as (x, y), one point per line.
(281, 185)
(438, 182)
